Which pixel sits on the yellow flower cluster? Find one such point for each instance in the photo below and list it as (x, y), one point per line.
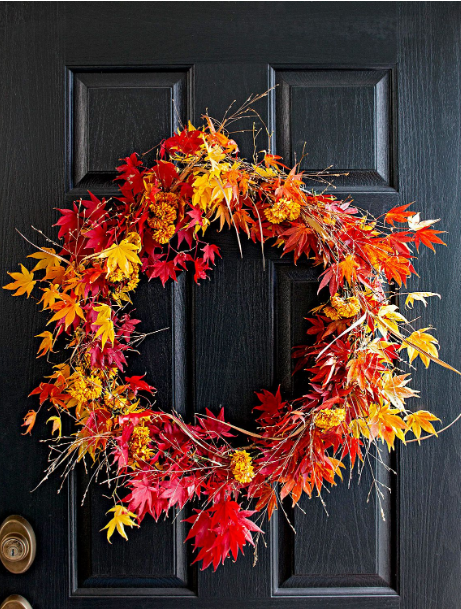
(139, 443)
(342, 307)
(116, 403)
(326, 419)
(242, 469)
(120, 291)
(85, 388)
(283, 209)
(164, 211)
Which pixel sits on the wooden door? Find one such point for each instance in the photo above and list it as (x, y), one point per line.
(373, 88)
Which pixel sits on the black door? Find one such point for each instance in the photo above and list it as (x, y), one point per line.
(373, 88)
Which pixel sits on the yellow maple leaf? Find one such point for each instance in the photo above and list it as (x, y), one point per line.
(425, 344)
(395, 390)
(45, 258)
(120, 256)
(421, 296)
(264, 172)
(379, 346)
(47, 343)
(421, 420)
(104, 321)
(386, 423)
(57, 425)
(215, 155)
(382, 422)
(23, 282)
(388, 318)
(120, 519)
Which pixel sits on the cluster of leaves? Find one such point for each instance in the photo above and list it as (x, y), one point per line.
(157, 227)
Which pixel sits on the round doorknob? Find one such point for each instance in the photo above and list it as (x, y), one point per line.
(17, 545)
(15, 601)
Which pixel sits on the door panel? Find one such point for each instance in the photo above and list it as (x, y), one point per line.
(342, 114)
(371, 88)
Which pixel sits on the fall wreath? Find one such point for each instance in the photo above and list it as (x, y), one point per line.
(156, 227)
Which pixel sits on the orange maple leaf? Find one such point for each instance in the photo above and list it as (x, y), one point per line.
(347, 269)
(29, 421)
(68, 308)
(23, 282)
(47, 343)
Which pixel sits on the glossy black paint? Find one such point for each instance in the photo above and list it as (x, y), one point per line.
(373, 86)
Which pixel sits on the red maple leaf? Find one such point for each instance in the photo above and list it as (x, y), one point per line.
(130, 173)
(185, 234)
(164, 270)
(352, 448)
(68, 222)
(49, 391)
(200, 269)
(397, 268)
(96, 209)
(299, 239)
(398, 214)
(398, 240)
(145, 498)
(187, 142)
(209, 252)
(271, 405)
(137, 384)
(215, 426)
(219, 531)
(166, 172)
(177, 491)
(182, 259)
(127, 327)
(428, 236)
(98, 238)
(196, 216)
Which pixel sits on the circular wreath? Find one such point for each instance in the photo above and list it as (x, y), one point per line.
(157, 227)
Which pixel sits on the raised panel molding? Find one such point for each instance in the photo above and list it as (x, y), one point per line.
(156, 562)
(112, 113)
(340, 119)
(342, 546)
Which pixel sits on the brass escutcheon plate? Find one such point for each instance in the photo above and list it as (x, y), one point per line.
(17, 545)
(15, 601)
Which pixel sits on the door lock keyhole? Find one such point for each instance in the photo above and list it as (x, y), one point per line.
(15, 548)
(17, 544)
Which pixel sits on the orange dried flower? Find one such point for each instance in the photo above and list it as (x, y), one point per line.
(283, 209)
(326, 419)
(242, 467)
(164, 233)
(342, 308)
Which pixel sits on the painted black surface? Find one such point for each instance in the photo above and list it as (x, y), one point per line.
(378, 84)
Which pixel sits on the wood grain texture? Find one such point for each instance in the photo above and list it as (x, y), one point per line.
(32, 162)
(114, 113)
(241, 323)
(227, 32)
(341, 114)
(430, 152)
(157, 561)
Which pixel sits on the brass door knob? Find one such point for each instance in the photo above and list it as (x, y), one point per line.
(15, 601)
(17, 545)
